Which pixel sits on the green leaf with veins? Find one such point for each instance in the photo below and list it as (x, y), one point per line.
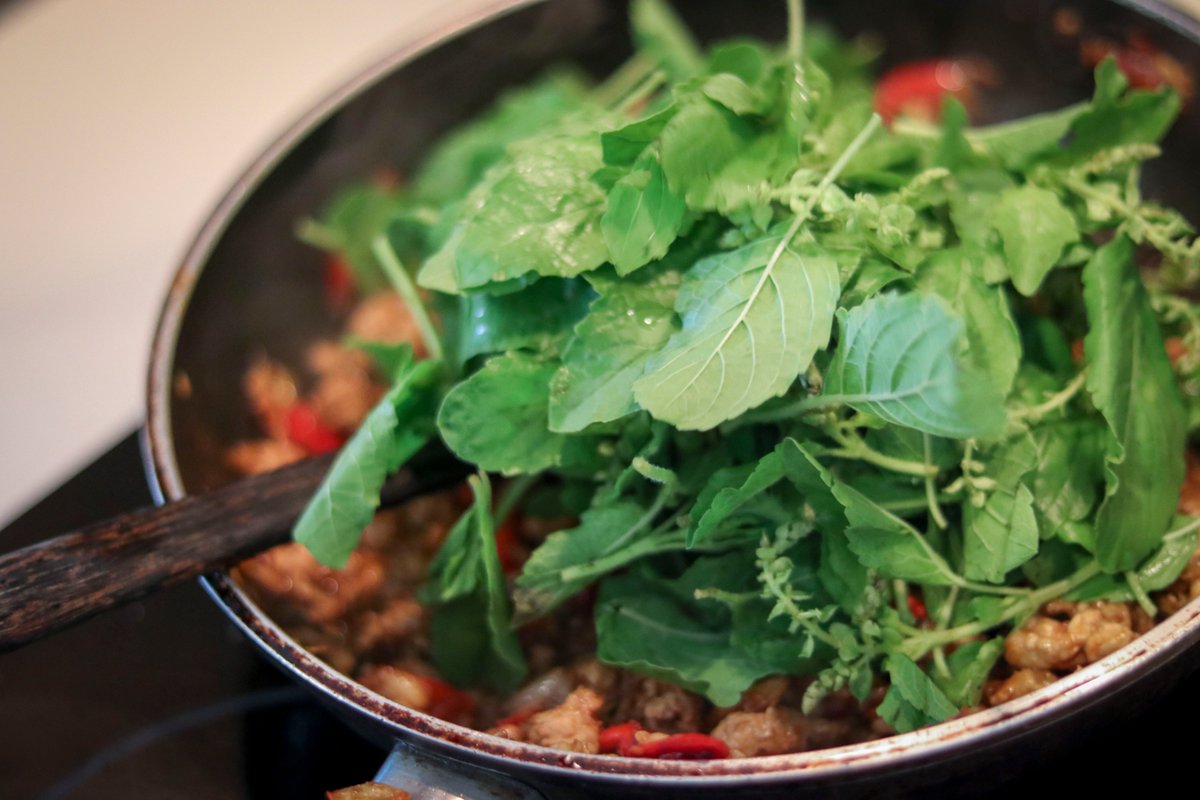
(897, 359)
(536, 211)
(728, 490)
(970, 666)
(913, 700)
(497, 418)
(1002, 534)
(465, 652)
(616, 530)
(537, 318)
(630, 321)
(699, 141)
(752, 320)
(462, 157)
(993, 343)
(1034, 227)
(1117, 117)
(1070, 467)
(642, 218)
(396, 428)
(1131, 382)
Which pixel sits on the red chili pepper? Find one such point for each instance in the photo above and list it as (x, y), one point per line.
(681, 747)
(619, 738)
(917, 88)
(917, 607)
(306, 429)
(338, 282)
(1143, 64)
(508, 546)
(446, 702)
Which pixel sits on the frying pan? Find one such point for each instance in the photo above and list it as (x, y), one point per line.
(247, 287)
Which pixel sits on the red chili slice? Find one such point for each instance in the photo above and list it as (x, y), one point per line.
(619, 738)
(306, 429)
(681, 746)
(917, 607)
(508, 546)
(446, 702)
(917, 88)
(338, 282)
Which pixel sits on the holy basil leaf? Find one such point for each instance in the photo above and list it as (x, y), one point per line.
(728, 490)
(465, 652)
(899, 554)
(1132, 384)
(1117, 117)
(531, 319)
(537, 211)
(631, 320)
(913, 700)
(1002, 534)
(970, 666)
(396, 428)
(497, 418)
(698, 143)
(897, 359)
(642, 625)
(993, 344)
(752, 320)
(606, 538)
(1069, 470)
(462, 157)
(642, 218)
(1163, 567)
(1034, 227)
(1021, 141)
(623, 146)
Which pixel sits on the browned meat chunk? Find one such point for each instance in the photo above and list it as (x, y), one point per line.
(263, 455)
(1019, 684)
(385, 318)
(385, 630)
(345, 391)
(763, 733)
(400, 685)
(1043, 643)
(271, 390)
(571, 726)
(315, 592)
(1101, 628)
(657, 705)
(369, 791)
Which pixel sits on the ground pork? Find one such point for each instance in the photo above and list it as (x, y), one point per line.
(763, 733)
(384, 317)
(657, 705)
(571, 726)
(309, 589)
(1020, 683)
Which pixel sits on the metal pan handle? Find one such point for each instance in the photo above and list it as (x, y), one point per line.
(428, 777)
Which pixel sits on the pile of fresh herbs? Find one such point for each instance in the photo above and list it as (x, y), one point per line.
(788, 369)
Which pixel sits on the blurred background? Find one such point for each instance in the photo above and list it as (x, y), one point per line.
(121, 123)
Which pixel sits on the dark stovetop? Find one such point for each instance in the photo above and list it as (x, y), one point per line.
(165, 699)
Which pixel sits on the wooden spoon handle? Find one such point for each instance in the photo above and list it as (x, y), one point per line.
(64, 580)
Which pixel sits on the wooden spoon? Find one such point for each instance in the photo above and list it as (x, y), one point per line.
(48, 586)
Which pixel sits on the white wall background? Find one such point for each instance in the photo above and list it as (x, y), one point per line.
(121, 123)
